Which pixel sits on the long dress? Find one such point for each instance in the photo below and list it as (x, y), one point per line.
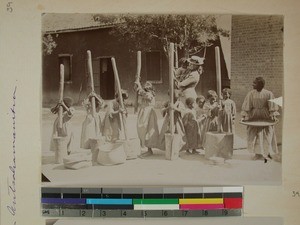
(147, 126)
(226, 116)
(66, 131)
(212, 116)
(201, 116)
(211, 122)
(112, 122)
(191, 129)
(256, 106)
(91, 128)
(178, 125)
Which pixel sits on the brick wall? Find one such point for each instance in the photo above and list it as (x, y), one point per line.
(256, 50)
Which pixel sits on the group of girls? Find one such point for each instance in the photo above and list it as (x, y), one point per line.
(192, 119)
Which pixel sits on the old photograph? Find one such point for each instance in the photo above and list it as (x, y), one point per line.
(161, 99)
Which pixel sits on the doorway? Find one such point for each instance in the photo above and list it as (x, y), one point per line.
(104, 81)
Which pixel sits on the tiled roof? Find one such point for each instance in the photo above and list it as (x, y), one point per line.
(68, 22)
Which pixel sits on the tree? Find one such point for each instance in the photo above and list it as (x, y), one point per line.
(48, 44)
(191, 33)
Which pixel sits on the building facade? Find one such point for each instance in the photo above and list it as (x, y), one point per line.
(74, 38)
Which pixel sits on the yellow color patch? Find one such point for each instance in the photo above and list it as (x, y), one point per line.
(201, 201)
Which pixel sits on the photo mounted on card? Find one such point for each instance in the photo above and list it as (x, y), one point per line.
(161, 99)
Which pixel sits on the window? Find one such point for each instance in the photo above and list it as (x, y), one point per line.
(66, 60)
(154, 66)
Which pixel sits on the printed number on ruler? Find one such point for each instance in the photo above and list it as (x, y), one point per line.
(145, 213)
(83, 213)
(46, 212)
(225, 212)
(205, 213)
(9, 7)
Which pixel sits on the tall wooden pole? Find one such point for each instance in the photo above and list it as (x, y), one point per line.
(137, 78)
(171, 87)
(117, 80)
(176, 57)
(90, 71)
(61, 94)
(218, 71)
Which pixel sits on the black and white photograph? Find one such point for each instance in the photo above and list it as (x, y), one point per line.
(161, 99)
(149, 112)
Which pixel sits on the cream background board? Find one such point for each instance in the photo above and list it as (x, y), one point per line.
(20, 66)
(178, 221)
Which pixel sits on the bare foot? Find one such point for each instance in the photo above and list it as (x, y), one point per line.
(146, 154)
(188, 151)
(257, 156)
(194, 151)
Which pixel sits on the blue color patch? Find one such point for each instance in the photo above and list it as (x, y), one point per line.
(107, 201)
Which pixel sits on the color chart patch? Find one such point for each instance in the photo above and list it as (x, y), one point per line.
(142, 202)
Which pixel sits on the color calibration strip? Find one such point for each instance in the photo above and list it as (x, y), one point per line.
(142, 202)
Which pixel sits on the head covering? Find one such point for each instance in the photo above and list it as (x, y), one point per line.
(182, 61)
(211, 93)
(148, 86)
(200, 98)
(226, 90)
(260, 82)
(68, 101)
(189, 101)
(124, 94)
(196, 60)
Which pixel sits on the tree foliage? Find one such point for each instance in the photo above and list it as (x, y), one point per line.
(48, 44)
(142, 32)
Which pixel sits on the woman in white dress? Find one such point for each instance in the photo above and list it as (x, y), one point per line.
(190, 81)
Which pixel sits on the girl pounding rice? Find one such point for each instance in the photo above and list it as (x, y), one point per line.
(112, 122)
(212, 109)
(147, 126)
(91, 126)
(179, 110)
(66, 130)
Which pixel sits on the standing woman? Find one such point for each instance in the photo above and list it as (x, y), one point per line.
(257, 107)
(190, 81)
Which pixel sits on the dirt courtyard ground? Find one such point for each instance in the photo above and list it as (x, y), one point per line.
(187, 170)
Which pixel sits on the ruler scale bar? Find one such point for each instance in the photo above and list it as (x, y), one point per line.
(138, 213)
(142, 202)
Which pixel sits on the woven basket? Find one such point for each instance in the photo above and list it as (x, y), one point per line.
(112, 154)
